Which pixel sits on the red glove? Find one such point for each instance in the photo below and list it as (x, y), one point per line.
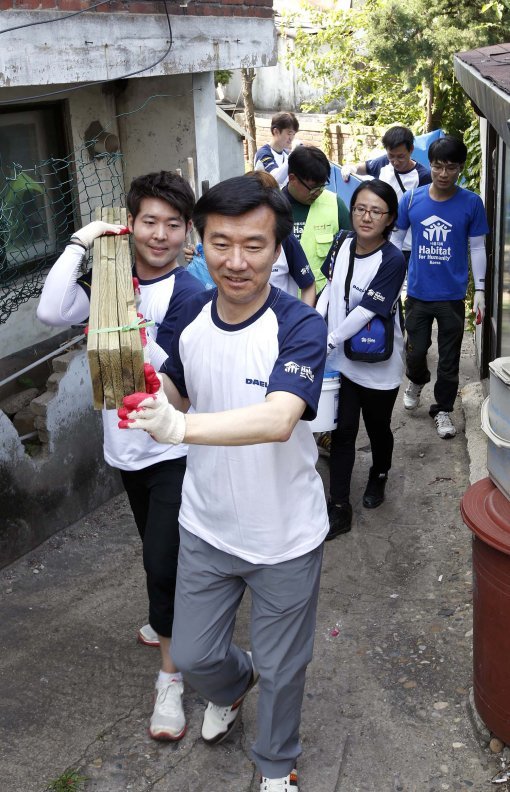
(143, 331)
(152, 412)
(133, 401)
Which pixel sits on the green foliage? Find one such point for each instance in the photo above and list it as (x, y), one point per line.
(391, 61)
(472, 170)
(338, 62)
(69, 781)
(222, 76)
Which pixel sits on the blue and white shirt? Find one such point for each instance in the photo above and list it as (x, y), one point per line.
(376, 283)
(291, 270)
(438, 267)
(264, 503)
(269, 160)
(381, 168)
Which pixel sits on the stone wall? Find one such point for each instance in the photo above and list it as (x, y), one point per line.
(57, 478)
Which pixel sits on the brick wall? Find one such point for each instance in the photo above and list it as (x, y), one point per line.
(341, 142)
(241, 8)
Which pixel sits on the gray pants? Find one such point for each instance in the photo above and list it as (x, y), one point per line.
(210, 586)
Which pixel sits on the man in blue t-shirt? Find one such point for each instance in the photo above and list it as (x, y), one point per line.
(443, 219)
(248, 359)
(396, 167)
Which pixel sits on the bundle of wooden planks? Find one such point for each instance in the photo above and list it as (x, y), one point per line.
(114, 346)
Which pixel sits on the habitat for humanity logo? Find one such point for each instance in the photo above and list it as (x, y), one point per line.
(436, 232)
(295, 368)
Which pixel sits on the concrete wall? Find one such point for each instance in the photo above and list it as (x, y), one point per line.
(230, 142)
(157, 130)
(23, 329)
(110, 45)
(276, 87)
(68, 477)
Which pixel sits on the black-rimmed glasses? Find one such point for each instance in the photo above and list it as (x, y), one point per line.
(311, 190)
(374, 214)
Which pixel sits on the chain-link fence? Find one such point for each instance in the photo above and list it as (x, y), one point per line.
(40, 206)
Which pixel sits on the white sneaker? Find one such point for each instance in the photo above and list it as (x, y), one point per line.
(168, 721)
(219, 721)
(287, 784)
(147, 636)
(412, 395)
(445, 428)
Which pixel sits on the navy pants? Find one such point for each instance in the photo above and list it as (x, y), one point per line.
(154, 495)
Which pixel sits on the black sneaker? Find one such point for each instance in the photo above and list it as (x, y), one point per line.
(374, 491)
(340, 519)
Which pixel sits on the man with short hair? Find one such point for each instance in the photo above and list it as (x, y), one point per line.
(396, 167)
(249, 359)
(318, 213)
(159, 216)
(273, 156)
(444, 219)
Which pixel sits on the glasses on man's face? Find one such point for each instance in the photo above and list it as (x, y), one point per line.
(311, 190)
(439, 167)
(374, 214)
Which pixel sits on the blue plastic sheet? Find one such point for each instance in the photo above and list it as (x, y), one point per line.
(198, 268)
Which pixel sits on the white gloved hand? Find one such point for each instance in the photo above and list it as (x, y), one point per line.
(155, 415)
(479, 306)
(97, 228)
(331, 343)
(347, 171)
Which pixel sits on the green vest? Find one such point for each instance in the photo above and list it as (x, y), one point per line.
(320, 228)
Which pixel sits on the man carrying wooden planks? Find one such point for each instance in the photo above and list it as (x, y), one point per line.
(159, 217)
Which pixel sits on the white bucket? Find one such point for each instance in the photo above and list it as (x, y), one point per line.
(499, 405)
(327, 411)
(498, 453)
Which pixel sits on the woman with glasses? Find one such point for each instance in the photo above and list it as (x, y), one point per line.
(374, 270)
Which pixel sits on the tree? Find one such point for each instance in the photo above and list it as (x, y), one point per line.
(421, 37)
(392, 60)
(248, 75)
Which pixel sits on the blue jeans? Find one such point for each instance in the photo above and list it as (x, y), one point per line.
(449, 315)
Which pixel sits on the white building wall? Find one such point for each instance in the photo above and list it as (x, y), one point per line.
(275, 87)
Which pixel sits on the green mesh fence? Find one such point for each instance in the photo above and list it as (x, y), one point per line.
(40, 206)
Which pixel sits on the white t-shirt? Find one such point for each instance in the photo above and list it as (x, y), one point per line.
(376, 284)
(264, 503)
